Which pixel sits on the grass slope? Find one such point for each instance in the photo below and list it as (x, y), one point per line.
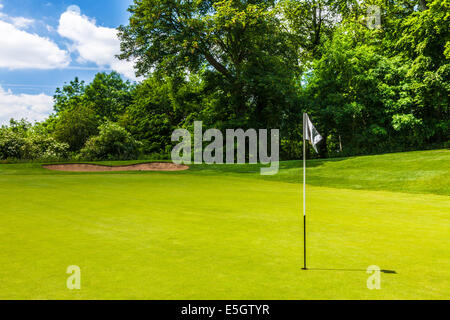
(225, 232)
(414, 172)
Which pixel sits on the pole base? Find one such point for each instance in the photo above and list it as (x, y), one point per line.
(304, 268)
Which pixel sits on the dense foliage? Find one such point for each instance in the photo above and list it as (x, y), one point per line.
(260, 64)
(20, 140)
(113, 142)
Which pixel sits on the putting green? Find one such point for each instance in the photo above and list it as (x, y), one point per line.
(225, 232)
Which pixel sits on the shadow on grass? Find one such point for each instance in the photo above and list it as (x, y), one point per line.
(358, 270)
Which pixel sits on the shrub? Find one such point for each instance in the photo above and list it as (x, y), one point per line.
(112, 143)
(12, 144)
(75, 126)
(29, 145)
(44, 147)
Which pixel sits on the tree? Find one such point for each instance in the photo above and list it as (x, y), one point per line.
(69, 96)
(233, 43)
(112, 143)
(159, 106)
(386, 89)
(425, 40)
(74, 126)
(311, 23)
(354, 93)
(22, 140)
(108, 95)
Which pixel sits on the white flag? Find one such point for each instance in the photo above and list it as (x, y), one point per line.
(310, 132)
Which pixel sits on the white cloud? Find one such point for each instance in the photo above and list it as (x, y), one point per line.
(21, 22)
(93, 43)
(23, 50)
(31, 107)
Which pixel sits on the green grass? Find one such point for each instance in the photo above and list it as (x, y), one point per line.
(225, 232)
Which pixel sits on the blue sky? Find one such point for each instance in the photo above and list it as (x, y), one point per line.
(46, 43)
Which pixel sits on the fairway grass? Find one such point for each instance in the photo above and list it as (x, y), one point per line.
(225, 232)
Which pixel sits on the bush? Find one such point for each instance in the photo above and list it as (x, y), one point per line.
(112, 143)
(75, 126)
(12, 144)
(45, 148)
(30, 146)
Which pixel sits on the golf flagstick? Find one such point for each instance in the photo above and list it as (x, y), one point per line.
(304, 191)
(312, 135)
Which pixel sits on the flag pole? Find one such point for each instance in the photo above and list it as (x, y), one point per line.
(304, 192)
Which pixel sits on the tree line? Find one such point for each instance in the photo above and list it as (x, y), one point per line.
(259, 64)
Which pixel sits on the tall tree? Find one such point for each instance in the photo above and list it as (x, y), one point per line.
(69, 95)
(311, 23)
(234, 39)
(75, 126)
(108, 95)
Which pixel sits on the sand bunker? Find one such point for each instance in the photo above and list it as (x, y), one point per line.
(84, 167)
